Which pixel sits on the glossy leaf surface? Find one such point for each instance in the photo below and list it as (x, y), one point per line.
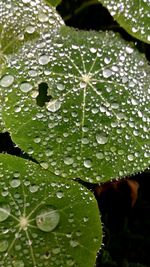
(94, 123)
(45, 221)
(132, 15)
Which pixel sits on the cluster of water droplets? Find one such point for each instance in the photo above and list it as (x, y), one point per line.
(21, 22)
(132, 16)
(39, 222)
(95, 126)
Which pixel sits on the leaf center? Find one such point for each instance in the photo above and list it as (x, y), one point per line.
(23, 223)
(86, 78)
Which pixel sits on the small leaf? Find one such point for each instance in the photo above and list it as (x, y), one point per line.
(95, 125)
(43, 220)
(133, 16)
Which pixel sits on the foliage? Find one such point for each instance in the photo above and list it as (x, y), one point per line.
(78, 103)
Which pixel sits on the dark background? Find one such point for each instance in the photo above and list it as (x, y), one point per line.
(124, 205)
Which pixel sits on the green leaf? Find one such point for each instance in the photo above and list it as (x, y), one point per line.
(94, 123)
(54, 2)
(21, 22)
(45, 221)
(132, 15)
(25, 20)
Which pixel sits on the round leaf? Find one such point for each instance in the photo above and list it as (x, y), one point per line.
(95, 119)
(43, 220)
(132, 15)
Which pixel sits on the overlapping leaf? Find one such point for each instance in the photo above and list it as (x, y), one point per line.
(132, 15)
(94, 123)
(25, 20)
(20, 22)
(45, 221)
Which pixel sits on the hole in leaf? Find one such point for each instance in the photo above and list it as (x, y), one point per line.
(42, 97)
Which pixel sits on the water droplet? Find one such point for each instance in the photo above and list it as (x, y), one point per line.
(107, 60)
(68, 160)
(70, 262)
(4, 212)
(42, 17)
(100, 155)
(44, 165)
(19, 263)
(43, 60)
(3, 245)
(56, 250)
(60, 194)
(6, 81)
(47, 219)
(15, 183)
(33, 188)
(26, 87)
(101, 139)
(130, 157)
(74, 243)
(93, 50)
(53, 105)
(37, 140)
(129, 50)
(26, 1)
(30, 29)
(107, 73)
(88, 163)
(60, 87)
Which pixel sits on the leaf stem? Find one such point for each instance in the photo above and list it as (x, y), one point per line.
(81, 8)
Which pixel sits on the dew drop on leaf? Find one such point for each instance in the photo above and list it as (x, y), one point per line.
(68, 160)
(4, 212)
(6, 81)
(59, 194)
(3, 245)
(44, 60)
(87, 163)
(26, 87)
(107, 73)
(101, 139)
(73, 243)
(53, 105)
(47, 219)
(15, 183)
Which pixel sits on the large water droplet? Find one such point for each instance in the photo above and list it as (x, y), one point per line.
(47, 219)
(42, 17)
(68, 161)
(130, 157)
(101, 139)
(60, 87)
(4, 212)
(43, 60)
(26, 87)
(15, 183)
(7, 80)
(107, 73)
(3, 245)
(53, 105)
(88, 163)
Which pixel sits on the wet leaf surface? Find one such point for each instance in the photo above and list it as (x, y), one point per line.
(132, 15)
(95, 125)
(45, 221)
